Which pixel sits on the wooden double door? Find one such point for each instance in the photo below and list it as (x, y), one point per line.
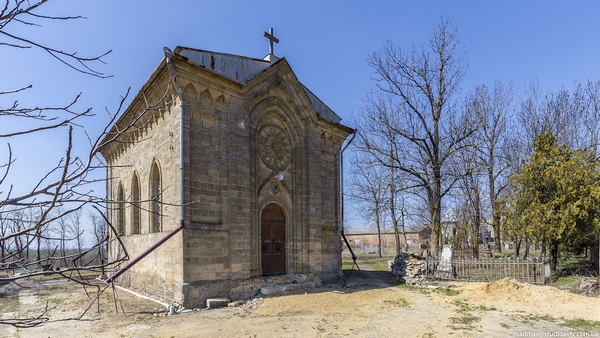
(272, 246)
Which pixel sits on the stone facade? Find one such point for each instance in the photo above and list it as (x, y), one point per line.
(243, 134)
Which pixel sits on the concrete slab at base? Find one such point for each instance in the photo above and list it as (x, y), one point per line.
(212, 303)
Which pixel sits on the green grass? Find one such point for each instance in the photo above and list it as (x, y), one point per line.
(448, 292)
(582, 324)
(372, 260)
(571, 261)
(485, 308)
(144, 318)
(467, 319)
(400, 302)
(347, 262)
(563, 281)
(532, 319)
(55, 301)
(403, 286)
(14, 302)
(2, 294)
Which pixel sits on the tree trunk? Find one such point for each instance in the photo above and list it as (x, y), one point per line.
(406, 247)
(39, 240)
(476, 223)
(544, 250)
(393, 210)
(517, 247)
(526, 247)
(378, 228)
(494, 204)
(27, 247)
(554, 255)
(436, 221)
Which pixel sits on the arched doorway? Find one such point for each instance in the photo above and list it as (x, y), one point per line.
(272, 234)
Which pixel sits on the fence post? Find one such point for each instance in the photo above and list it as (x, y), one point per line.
(534, 260)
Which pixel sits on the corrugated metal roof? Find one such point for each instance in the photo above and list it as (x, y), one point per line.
(239, 68)
(321, 108)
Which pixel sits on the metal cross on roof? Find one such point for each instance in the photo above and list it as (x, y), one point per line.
(271, 38)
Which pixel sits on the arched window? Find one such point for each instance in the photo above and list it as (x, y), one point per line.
(155, 199)
(135, 199)
(120, 209)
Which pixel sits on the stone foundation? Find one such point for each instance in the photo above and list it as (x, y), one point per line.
(195, 294)
(249, 288)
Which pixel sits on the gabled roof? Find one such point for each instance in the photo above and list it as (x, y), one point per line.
(242, 68)
(239, 69)
(321, 108)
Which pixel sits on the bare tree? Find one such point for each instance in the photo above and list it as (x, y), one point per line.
(369, 181)
(469, 187)
(560, 112)
(397, 189)
(416, 101)
(66, 188)
(61, 230)
(99, 230)
(493, 145)
(76, 228)
(592, 115)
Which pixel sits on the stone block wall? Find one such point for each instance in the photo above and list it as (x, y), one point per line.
(156, 141)
(226, 184)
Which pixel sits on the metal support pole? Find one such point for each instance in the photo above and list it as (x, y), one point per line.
(145, 253)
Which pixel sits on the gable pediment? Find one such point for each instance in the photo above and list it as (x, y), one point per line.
(280, 78)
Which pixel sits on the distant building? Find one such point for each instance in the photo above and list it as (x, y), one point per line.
(448, 225)
(367, 237)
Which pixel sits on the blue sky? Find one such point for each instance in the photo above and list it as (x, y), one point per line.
(325, 42)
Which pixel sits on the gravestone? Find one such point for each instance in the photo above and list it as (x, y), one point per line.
(424, 250)
(444, 269)
(488, 251)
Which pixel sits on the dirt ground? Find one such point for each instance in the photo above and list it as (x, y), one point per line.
(373, 307)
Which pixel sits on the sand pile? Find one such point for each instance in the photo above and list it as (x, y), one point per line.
(511, 294)
(510, 289)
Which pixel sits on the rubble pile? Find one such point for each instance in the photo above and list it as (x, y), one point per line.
(588, 285)
(409, 268)
(249, 304)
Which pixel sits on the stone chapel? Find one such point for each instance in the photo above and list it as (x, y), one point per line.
(248, 157)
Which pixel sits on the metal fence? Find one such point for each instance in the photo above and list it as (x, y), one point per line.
(531, 270)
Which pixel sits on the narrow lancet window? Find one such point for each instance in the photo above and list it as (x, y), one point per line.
(135, 201)
(155, 199)
(120, 206)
